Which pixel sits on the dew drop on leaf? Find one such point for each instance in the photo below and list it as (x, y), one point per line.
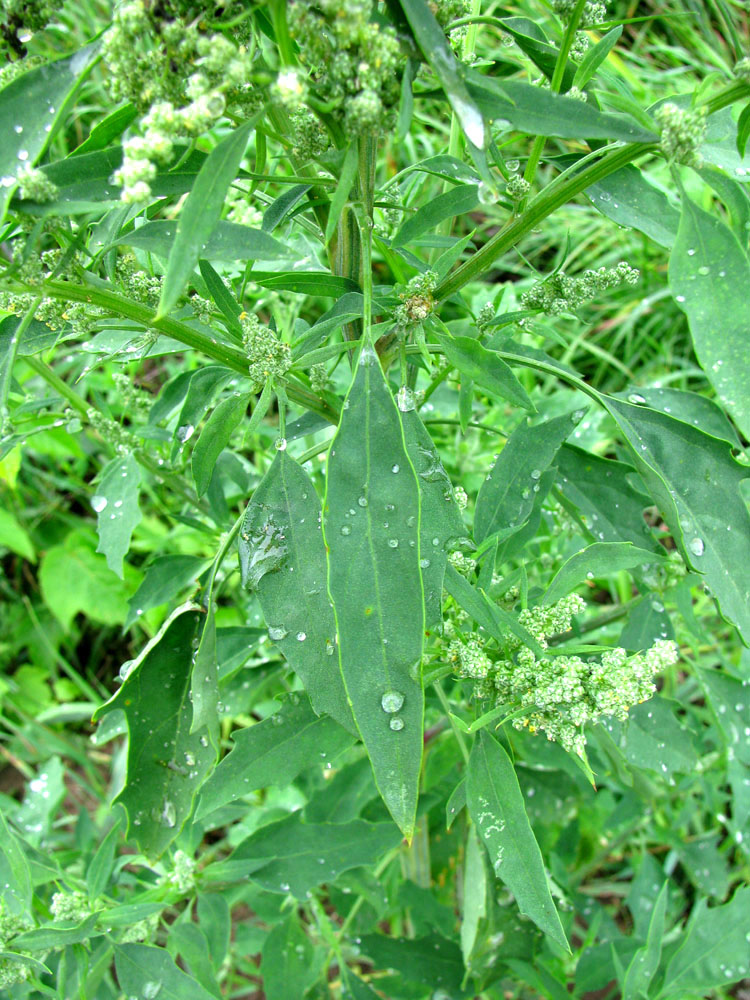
(696, 546)
(392, 701)
(396, 724)
(277, 632)
(98, 503)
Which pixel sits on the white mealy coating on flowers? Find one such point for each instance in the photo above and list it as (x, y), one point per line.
(561, 293)
(417, 301)
(682, 132)
(561, 693)
(267, 355)
(69, 906)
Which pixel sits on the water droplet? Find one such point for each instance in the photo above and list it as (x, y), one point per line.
(203, 741)
(392, 701)
(406, 399)
(346, 529)
(393, 543)
(185, 432)
(301, 636)
(23, 154)
(704, 269)
(362, 501)
(277, 632)
(691, 252)
(697, 546)
(636, 398)
(395, 468)
(396, 724)
(679, 298)
(424, 563)
(98, 503)
(190, 759)
(18, 129)
(512, 166)
(536, 474)
(151, 990)
(280, 444)
(486, 194)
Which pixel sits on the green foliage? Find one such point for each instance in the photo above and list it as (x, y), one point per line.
(452, 355)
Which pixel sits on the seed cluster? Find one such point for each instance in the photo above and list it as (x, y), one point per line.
(417, 300)
(560, 693)
(560, 293)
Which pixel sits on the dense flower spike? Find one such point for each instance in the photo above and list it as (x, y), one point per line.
(560, 293)
(417, 300)
(268, 356)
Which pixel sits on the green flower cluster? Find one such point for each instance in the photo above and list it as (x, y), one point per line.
(318, 377)
(742, 69)
(310, 138)
(560, 293)
(416, 300)
(130, 395)
(594, 12)
(562, 693)
(517, 187)
(35, 185)
(146, 288)
(110, 430)
(461, 562)
(182, 875)
(179, 77)
(268, 356)
(682, 132)
(11, 972)
(19, 18)
(70, 906)
(354, 62)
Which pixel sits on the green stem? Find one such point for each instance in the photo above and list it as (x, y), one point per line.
(224, 353)
(556, 194)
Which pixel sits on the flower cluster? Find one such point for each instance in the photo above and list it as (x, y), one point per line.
(179, 77)
(268, 356)
(240, 209)
(318, 377)
(417, 301)
(130, 395)
(18, 18)
(182, 875)
(69, 906)
(110, 430)
(142, 930)
(742, 69)
(594, 12)
(35, 185)
(354, 62)
(682, 132)
(560, 293)
(461, 562)
(560, 694)
(310, 138)
(517, 187)
(146, 288)
(11, 972)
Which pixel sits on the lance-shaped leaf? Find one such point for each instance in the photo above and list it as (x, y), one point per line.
(31, 107)
(215, 437)
(374, 580)
(200, 213)
(440, 522)
(696, 484)
(141, 967)
(435, 48)
(707, 266)
(228, 241)
(486, 368)
(496, 807)
(282, 555)
(288, 967)
(274, 752)
(457, 201)
(506, 497)
(601, 490)
(628, 198)
(293, 856)
(598, 559)
(116, 506)
(166, 763)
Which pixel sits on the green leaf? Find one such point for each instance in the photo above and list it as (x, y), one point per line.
(475, 891)
(36, 102)
(223, 298)
(116, 506)
(432, 959)
(648, 621)
(628, 198)
(109, 128)
(346, 181)
(486, 613)
(15, 538)
(307, 282)
(165, 578)
(714, 951)
(434, 45)
(496, 807)
(484, 367)
(536, 111)
(204, 682)
(282, 554)
(287, 967)
(215, 436)
(102, 864)
(371, 523)
(440, 518)
(146, 971)
(601, 490)
(200, 213)
(274, 752)
(596, 560)
(18, 865)
(728, 698)
(56, 935)
(595, 57)
(690, 407)
(654, 738)
(166, 763)
(706, 267)
(354, 987)
(507, 495)
(293, 856)
(530, 38)
(189, 942)
(205, 384)
(227, 241)
(696, 484)
(460, 199)
(73, 578)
